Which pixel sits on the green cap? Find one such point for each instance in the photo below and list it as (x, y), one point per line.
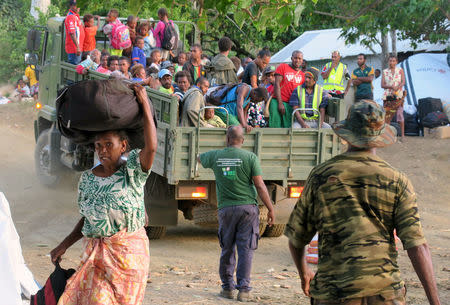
(269, 69)
(365, 126)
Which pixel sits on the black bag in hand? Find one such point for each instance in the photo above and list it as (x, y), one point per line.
(53, 288)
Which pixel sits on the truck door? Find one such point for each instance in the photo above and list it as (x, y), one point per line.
(45, 74)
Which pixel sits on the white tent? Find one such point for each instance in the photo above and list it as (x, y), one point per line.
(318, 45)
(15, 278)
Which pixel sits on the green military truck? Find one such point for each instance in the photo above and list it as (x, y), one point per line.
(177, 182)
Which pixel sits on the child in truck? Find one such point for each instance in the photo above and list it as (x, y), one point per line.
(113, 63)
(138, 56)
(124, 65)
(90, 30)
(131, 25)
(213, 120)
(113, 21)
(149, 41)
(89, 64)
(155, 59)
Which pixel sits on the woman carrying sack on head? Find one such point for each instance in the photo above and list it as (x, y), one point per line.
(115, 262)
(392, 81)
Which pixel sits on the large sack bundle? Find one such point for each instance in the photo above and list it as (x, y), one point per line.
(91, 106)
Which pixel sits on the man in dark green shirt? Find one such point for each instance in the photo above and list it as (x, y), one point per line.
(362, 78)
(238, 182)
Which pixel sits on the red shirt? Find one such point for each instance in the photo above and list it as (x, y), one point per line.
(73, 26)
(291, 80)
(89, 38)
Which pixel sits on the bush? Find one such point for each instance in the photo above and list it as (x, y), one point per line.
(15, 21)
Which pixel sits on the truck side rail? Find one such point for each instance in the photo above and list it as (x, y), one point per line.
(194, 168)
(291, 138)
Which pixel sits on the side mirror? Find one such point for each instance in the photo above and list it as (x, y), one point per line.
(34, 40)
(31, 59)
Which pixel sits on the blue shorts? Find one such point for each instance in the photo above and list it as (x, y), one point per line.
(73, 58)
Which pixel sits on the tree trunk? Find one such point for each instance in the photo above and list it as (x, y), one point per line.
(39, 6)
(384, 51)
(393, 41)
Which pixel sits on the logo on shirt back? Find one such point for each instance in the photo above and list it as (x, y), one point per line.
(228, 167)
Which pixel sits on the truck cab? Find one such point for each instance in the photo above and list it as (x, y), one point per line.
(177, 182)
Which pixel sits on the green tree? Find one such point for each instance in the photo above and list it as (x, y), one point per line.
(15, 21)
(364, 20)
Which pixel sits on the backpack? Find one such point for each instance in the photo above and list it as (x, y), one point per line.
(170, 38)
(53, 288)
(120, 36)
(435, 119)
(215, 96)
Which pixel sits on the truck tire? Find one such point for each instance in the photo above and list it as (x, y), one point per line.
(205, 215)
(275, 231)
(155, 232)
(42, 161)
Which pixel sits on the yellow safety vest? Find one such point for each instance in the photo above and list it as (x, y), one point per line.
(335, 80)
(317, 100)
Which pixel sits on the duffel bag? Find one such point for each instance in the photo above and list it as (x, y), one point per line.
(91, 106)
(435, 119)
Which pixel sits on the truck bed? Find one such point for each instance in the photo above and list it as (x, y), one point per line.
(285, 154)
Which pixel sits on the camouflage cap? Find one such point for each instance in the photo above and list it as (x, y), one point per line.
(365, 126)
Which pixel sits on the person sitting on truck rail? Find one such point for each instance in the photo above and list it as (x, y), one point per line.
(90, 63)
(193, 102)
(309, 95)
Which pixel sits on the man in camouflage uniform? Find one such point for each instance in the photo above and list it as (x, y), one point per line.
(355, 201)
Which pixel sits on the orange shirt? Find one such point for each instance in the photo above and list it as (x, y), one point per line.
(89, 38)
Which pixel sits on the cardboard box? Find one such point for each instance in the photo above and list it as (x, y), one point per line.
(442, 132)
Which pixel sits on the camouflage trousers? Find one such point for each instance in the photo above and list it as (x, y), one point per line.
(396, 298)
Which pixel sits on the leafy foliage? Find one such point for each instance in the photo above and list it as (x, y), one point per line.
(418, 20)
(15, 21)
(251, 24)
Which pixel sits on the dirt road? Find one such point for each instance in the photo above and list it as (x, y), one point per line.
(184, 264)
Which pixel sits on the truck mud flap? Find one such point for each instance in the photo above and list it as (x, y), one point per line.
(160, 203)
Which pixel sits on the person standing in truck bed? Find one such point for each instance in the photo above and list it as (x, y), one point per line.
(238, 182)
